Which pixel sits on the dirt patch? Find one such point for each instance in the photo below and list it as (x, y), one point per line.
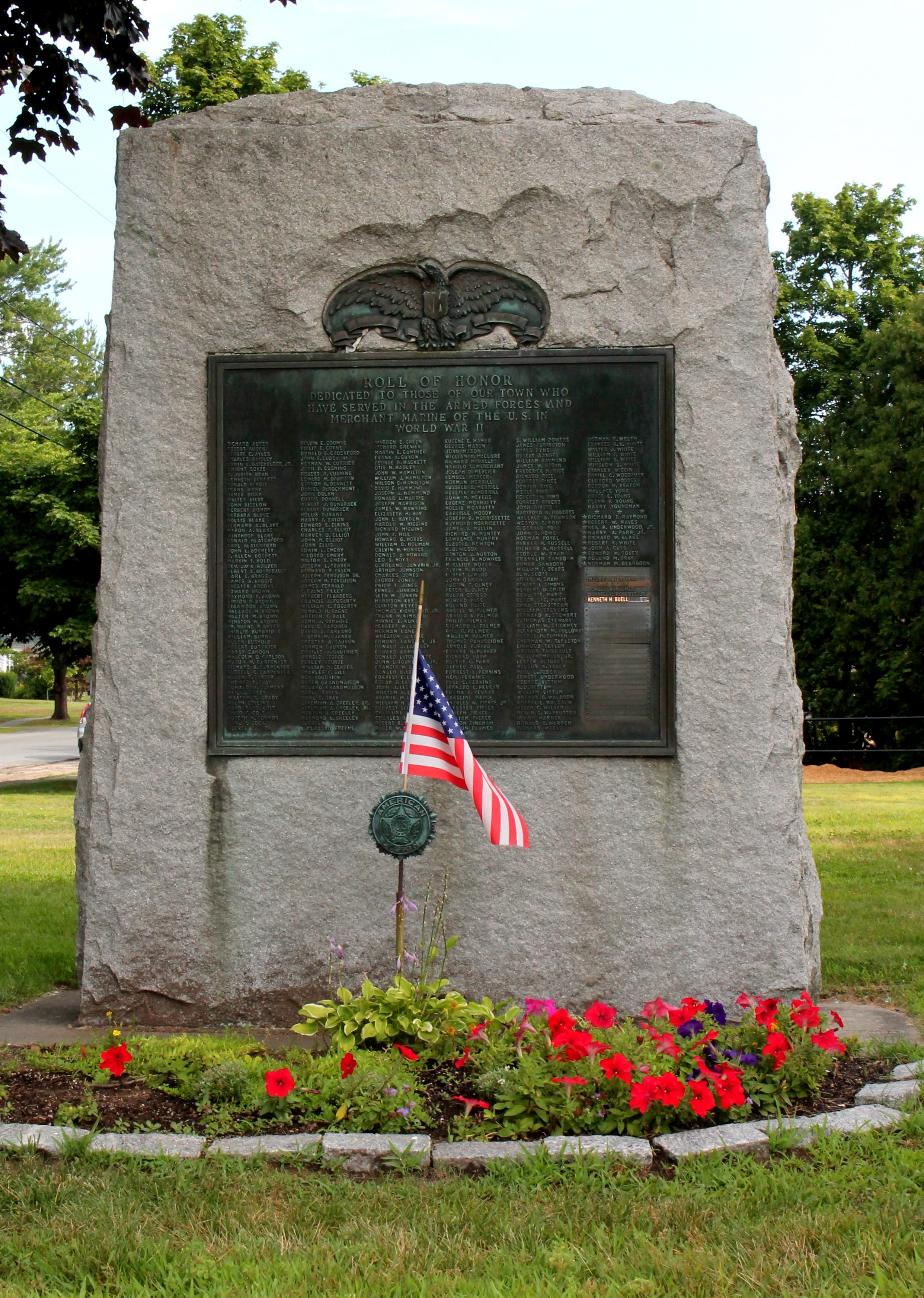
(52, 770)
(828, 773)
(35, 1096)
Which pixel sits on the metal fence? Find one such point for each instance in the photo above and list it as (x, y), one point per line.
(873, 736)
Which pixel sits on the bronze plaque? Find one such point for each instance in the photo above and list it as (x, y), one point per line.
(532, 492)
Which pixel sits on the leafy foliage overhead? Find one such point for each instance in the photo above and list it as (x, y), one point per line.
(847, 269)
(207, 62)
(38, 39)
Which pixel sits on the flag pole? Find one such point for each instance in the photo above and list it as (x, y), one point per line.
(405, 763)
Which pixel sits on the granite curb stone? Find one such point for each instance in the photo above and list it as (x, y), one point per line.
(629, 1148)
(268, 1146)
(149, 1144)
(740, 1137)
(49, 1139)
(863, 1117)
(907, 1072)
(368, 1153)
(895, 1094)
(470, 1155)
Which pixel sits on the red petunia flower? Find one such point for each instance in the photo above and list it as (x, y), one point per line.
(657, 1009)
(837, 1018)
(640, 1096)
(470, 1103)
(617, 1066)
(728, 1089)
(704, 1068)
(743, 1001)
(664, 1043)
(463, 1058)
(568, 1082)
(114, 1059)
(479, 1032)
(600, 1015)
(667, 1089)
(829, 1041)
(406, 1051)
(777, 1048)
(804, 1012)
(348, 1064)
(687, 1009)
(702, 1101)
(560, 1021)
(279, 1082)
(765, 1009)
(576, 1044)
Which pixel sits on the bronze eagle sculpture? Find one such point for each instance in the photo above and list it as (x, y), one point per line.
(434, 305)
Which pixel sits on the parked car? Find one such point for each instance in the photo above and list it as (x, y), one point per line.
(82, 724)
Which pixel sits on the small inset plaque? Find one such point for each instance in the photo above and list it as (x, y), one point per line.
(533, 494)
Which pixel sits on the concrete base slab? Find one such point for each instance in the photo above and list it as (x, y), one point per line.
(874, 1022)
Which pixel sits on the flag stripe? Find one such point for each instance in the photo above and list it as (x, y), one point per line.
(435, 748)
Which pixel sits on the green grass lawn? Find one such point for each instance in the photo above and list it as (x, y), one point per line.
(868, 841)
(38, 910)
(841, 1222)
(29, 713)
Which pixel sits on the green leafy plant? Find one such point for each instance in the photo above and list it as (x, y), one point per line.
(427, 1013)
(175, 1065)
(85, 1112)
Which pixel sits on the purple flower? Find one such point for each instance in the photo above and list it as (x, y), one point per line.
(408, 907)
(690, 1028)
(405, 1109)
(742, 1056)
(336, 948)
(716, 1011)
(391, 1090)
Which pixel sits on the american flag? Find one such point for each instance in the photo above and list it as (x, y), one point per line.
(435, 747)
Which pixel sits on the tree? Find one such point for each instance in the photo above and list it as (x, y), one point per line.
(37, 40)
(50, 371)
(850, 323)
(848, 268)
(207, 62)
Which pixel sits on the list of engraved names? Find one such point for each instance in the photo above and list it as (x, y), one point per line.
(499, 483)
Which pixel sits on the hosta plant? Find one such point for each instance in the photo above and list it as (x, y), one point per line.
(425, 1013)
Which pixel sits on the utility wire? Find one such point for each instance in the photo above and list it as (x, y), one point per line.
(34, 396)
(44, 436)
(86, 202)
(44, 328)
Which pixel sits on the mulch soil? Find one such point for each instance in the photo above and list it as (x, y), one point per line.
(828, 773)
(33, 1095)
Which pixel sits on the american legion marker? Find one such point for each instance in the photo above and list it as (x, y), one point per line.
(516, 343)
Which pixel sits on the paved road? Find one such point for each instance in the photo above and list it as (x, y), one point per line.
(38, 747)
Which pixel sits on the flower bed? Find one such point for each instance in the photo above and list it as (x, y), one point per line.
(421, 1058)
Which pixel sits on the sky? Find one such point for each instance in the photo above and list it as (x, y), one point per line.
(833, 87)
